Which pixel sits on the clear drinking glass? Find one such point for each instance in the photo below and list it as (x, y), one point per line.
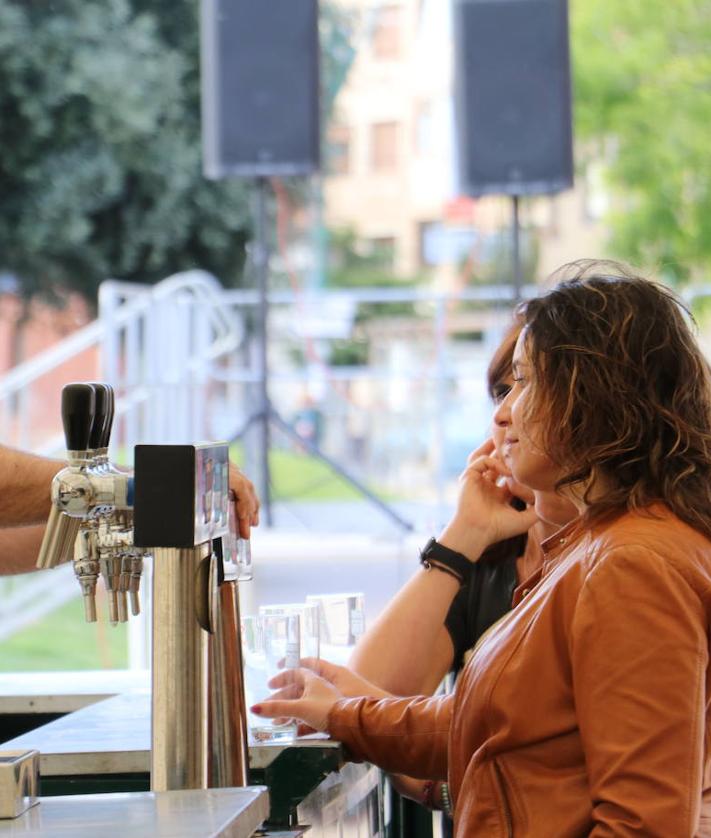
(237, 551)
(310, 624)
(341, 622)
(271, 642)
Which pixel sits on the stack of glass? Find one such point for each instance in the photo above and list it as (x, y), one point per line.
(281, 635)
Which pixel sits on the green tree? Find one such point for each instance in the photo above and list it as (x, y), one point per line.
(642, 72)
(100, 147)
(100, 165)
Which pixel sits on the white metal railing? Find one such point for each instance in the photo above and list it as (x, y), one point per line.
(153, 343)
(157, 351)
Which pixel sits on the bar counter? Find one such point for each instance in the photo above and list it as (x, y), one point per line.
(213, 813)
(113, 736)
(101, 752)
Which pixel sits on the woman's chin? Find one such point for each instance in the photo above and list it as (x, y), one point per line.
(518, 490)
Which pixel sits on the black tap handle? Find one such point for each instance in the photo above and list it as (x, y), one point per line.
(101, 405)
(78, 406)
(110, 406)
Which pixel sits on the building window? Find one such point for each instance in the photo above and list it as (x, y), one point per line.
(424, 128)
(387, 29)
(381, 252)
(339, 150)
(383, 146)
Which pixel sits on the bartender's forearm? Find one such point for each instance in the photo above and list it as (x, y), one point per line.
(19, 547)
(25, 481)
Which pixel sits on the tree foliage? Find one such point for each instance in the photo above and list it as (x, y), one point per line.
(642, 72)
(100, 149)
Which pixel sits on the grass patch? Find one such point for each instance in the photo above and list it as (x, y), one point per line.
(299, 476)
(62, 640)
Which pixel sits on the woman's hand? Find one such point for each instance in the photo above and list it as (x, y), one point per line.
(348, 683)
(301, 694)
(484, 514)
(247, 503)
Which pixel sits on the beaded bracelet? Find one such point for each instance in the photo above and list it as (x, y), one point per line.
(445, 799)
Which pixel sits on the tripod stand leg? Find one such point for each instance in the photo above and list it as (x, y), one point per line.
(315, 451)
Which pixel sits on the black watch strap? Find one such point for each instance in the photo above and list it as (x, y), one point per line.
(436, 555)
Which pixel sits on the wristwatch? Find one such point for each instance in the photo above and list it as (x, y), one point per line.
(436, 555)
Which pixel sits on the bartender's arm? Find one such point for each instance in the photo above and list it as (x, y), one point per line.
(25, 481)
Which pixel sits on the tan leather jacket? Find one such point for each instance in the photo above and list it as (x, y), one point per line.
(584, 711)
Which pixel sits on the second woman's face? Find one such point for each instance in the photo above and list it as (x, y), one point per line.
(498, 434)
(521, 446)
(498, 431)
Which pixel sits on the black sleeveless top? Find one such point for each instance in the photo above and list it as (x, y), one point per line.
(480, 603)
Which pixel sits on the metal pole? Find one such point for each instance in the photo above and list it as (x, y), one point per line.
(516, 250)
(261, 264)
(179, 746)
(228, 718)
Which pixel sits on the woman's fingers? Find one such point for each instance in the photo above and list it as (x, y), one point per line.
(487, 447)
(327, 670)
(273, 708)
(288, 693)
(484, 465)
(312, 698)
(287, 678)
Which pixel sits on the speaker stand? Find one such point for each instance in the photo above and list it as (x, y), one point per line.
(516, 249)
(266, 415)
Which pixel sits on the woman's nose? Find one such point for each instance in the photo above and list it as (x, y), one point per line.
(502, 414)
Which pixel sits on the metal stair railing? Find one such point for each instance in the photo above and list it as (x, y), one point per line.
(155, 345)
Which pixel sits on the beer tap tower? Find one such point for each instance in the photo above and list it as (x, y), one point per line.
(175, 508)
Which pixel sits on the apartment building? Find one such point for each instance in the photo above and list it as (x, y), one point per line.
(392, 165)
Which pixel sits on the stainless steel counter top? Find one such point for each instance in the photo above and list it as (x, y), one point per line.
(114, 737)
(209, 813)
(65, 692)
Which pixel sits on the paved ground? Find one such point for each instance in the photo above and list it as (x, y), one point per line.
(358, 517)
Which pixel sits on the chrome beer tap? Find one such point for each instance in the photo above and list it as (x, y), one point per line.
(90, 519)
(176, 508)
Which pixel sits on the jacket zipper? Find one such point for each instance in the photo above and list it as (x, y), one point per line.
(504, 800)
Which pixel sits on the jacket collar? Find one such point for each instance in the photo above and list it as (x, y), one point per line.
(556, 543)
(552, 548)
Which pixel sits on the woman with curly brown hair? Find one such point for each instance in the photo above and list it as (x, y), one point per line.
(585, 710)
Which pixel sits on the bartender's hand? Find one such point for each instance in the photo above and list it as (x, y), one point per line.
(301, 694)
(247, 503)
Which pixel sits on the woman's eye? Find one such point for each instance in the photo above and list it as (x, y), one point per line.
(501, 392)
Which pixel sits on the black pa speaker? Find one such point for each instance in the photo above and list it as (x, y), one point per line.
(260, 83)
(513, 96)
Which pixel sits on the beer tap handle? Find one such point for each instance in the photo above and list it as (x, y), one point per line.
(110, 409)
(78, 408)
(101, 415)
(122, 602)
(110, 565)
(136, 564)
(58, 540)
(86, 569)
